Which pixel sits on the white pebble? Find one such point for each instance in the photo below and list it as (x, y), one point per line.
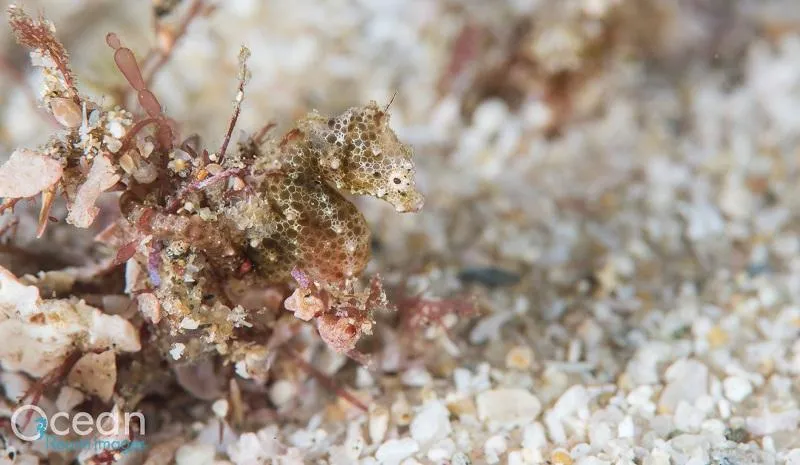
(195, 454)
(573, 400)
(736, 388)
(66, 112)
(489, 328)
(393, 451)
(537, 115)
(116, 129)
(495, 446)
(416, 377)
(626, 428)
(281, 392)
(515, 457)
(176, 351)
(490, 115)
(378, 424)
(793, 457)
(220, 408)
(69, 398)
(363, 378)
(189, 323)
(592, 461)
(657, 457)
(431, 424)
(442, 450)
(533, 437)
(688, 417)
(508, 406)
(410, 461)
(599, 435)
(772, 422)
(687, 380)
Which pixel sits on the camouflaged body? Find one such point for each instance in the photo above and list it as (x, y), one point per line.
(315, 227)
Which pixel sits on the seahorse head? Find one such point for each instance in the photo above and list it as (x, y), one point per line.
(358, 152)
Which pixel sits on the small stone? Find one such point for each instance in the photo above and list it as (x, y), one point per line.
(220, 408)
(489, 276)
(281, 392)
(489, 327)
(213, 168)
(66, 112)
(69, 398)
(495, 446)
(304, 304)
(508, 406)
(363, 378)
(113, 145)
(116, 129)
(687, 380)
(149, 307)
(401, 411)
(735, 199)
(236, 183)
(717, 337)
(687, 417)
(515, 457)
(378, 424)
(737, 435)
(176, 351)
(560, 457)
(442, 450)
(416, 377)
(626, 428)
(146, 173)
(348, 452)
(736, 388)
(393, 451)
(770, 422)
(606, 278)
(592, 461)
(411, 461)
(431, 424)
(533, 437)
(127, 164)
(95, 374)
(657, 457)
(189, 323)
(519, 358)
(574, 399)
(490, 115)
(464, 406)
(195, 454)
(793, 457)
(599, 434)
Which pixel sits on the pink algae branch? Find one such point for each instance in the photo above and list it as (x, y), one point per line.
(129, 67)
(38, 34)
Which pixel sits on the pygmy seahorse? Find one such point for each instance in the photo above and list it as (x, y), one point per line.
(315, 227)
